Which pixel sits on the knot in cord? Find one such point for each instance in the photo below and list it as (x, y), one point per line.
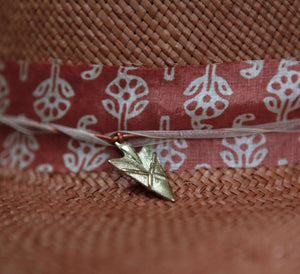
(118, 138)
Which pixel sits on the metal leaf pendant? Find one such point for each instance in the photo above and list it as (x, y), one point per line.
(144, 167)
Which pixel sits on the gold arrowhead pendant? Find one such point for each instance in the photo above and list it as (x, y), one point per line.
(144, 167)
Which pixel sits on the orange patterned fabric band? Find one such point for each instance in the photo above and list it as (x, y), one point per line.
(106, 99)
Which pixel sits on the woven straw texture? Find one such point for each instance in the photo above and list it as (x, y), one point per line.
(224, 221)
(159, 33)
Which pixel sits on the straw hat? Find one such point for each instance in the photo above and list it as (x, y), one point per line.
(225, 219)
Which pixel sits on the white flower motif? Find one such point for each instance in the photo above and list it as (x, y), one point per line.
(285, 86)
(166, 152)
(207, 102)
(246, 151)
(85, 156)
(52, 93)
(126, 90)
(92, 73)
(254, 70)
(18, 150)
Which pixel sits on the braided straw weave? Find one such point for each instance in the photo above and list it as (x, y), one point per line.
(224, 221)
(160, 33)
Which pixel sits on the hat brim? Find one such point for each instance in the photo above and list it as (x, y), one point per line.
(223, 221)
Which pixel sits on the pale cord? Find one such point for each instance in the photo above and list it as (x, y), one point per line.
(142, 137)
